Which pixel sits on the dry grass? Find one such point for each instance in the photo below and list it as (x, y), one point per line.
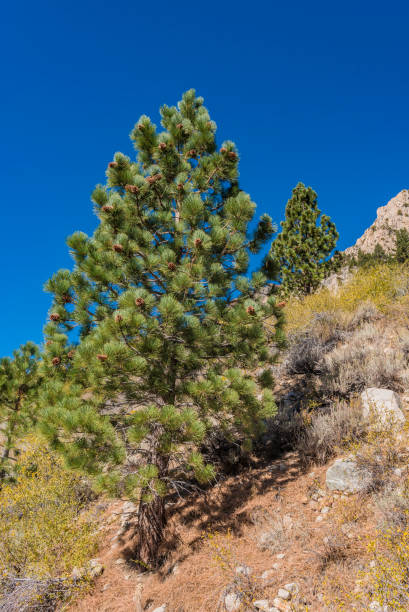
(381, 286)
(326, 432)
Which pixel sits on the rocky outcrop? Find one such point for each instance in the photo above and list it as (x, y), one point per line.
(389, 218)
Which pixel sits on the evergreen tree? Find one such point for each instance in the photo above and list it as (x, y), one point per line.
(19, 382)
(402, 245)
(153, 336)
(301, 250)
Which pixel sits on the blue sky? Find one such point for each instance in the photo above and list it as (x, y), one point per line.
(310, 91)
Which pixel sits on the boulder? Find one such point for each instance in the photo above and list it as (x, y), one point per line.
(383, 405)
(344, 475)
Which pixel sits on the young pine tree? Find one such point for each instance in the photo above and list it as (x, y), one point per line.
(19, 383)
(301, 250)
(402, 245)
(153, 336)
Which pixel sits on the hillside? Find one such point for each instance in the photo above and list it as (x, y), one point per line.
(278, 534)
(389, 218)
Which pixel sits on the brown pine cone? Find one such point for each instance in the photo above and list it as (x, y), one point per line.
(162, 146)
(67, 299)
(113, 164)
(180, 186)
(107, 208)
(102, 357)
(250, 310)
(152, 179)
(179, 126)
(132, 189)
(70, 354)
(56, 361)
(192, 153)
(55, 316)
(223, 150)
(140, 127)
(118, 248)
(198, 242)
(140, 302)
(118, 318)
(232, 155)
(281, 304)
(171, 265)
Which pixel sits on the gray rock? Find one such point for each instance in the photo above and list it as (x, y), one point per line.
(344, 475)
(243, 570)
(382, 405)
(161, 608)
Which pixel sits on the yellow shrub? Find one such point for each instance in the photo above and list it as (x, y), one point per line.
(44, 533)
(380, 285)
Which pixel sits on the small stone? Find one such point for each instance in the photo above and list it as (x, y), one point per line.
(287, 521)
(261, 604)
(267, 574)
(243, 570)
(281, 605)
(325, 510)
(280, 555)
(119, 561)
(321, 493)
(315, 496)
(319, 518)
(232, 602)
(161, 608)
(283, 594)
(292, 587)
(106, 586)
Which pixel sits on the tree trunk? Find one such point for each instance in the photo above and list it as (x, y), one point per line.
(151, 528)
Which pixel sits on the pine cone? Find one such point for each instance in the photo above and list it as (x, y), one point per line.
(192, 153)
(70, 354)
(132, 189)
(107, 208)
(102, 357)
(198, 242)
(251, 310)
(180, 186)
(118, 248)
(56, 361)
(179, 126)
(67, 299)
(55, 316)
(140, 302)
(152, 179)
(113, 164)
(171, 265)
(281, 304)
(140, 127)
(223, 150)
(118, 318)
(232, 155)
(162, 146)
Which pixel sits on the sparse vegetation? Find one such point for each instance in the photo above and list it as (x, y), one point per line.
(45, 534)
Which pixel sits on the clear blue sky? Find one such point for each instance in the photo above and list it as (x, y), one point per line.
(310, 91)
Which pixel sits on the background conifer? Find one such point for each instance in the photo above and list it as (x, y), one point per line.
(302, 248)
(19, 382)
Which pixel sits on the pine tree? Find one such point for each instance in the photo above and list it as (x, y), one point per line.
(301, 250)
(402, 245)
(153, 336)
(19, 383)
